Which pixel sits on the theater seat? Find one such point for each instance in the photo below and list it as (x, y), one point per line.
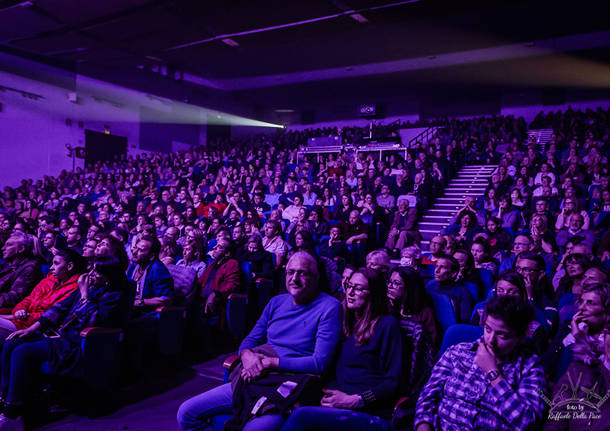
(171, 319)
(460, 333)
(100, 356)
(445, 314)
(237, 315)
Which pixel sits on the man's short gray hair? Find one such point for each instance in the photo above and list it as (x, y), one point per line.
(25, 240)
(308, 257)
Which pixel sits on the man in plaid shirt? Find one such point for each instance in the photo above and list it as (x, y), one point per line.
(494, 383)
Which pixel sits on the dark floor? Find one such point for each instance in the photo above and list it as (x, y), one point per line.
(151, 404)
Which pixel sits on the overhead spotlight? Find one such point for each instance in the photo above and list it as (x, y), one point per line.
(164, 70)
(140, 67)
(178, 75)
(230, 42)
(155, 68)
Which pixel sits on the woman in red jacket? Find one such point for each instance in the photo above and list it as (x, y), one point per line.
(58, 285)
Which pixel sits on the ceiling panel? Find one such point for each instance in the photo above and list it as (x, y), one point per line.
(17, 22)
(56, 43)
(72, 13)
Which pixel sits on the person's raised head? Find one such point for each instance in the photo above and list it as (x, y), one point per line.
(302, 278)
(594, 307)
(437, 245)
(146, 250)
(446, 269)
(522, 243)
(507, 319)
(365, 302)
(109, 270)
(223, 249)
(66, 263)
(378, 260)
(511, 283)
(406, 291)
(18, 244)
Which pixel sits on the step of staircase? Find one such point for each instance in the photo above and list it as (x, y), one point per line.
(470, 181)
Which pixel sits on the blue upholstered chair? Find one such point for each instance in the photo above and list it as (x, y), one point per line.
(460, 333)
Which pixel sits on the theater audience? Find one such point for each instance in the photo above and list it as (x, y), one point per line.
(200, 200)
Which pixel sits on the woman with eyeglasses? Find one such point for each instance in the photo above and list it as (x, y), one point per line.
(575, 265)
(101, 299)
(369, 370)
(409, 300)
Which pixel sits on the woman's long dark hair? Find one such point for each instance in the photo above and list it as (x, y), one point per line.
(377, 306)
(415, 298)
(112, 268)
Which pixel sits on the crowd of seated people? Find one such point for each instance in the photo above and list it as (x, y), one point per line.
(527, 262)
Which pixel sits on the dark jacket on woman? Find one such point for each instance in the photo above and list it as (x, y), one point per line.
(106, 308)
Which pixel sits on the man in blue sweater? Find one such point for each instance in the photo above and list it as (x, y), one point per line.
(302, 327)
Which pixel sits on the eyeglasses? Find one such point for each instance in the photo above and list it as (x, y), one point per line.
(356, 288)
(395, 282)
(525, 269)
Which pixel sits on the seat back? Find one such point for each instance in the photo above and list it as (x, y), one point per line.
(487, 278)
(460, 333)
(445, 314)
(237, 315)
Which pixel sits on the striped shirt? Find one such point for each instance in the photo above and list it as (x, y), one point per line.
(457, 396)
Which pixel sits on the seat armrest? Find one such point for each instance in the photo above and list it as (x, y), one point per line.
(401, 402)
(168, 308)
(238, 296)
(98, 330)
(230, 362)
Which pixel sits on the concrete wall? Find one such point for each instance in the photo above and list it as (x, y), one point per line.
(33, 132)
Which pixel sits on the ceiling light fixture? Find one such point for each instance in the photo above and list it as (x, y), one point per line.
(223, 37)
(230, 42)
(360, 18)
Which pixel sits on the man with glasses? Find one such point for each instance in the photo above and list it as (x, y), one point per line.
(521, 243)
(437, 250)
(576, 228)
(301, 328)
(537, 285)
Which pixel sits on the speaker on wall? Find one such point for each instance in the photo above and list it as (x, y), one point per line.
(308, 116)
(553, 96)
